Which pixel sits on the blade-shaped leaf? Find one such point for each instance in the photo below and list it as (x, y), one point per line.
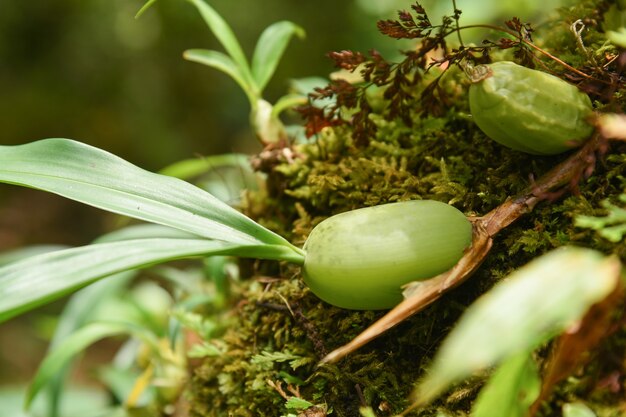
(98, 178)
(190, 168)
(145, 7)
(224, 63)
(224, 34)
(144, 231)
(77, 342)
(78, 311)
(34, 281)
(270, 48)
(511, 389)
(534, 304)
(14, 255)
(287, 102)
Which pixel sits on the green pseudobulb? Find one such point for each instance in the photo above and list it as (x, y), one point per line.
(360, 259)
(529, 110)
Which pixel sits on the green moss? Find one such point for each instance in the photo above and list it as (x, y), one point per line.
(281, 331)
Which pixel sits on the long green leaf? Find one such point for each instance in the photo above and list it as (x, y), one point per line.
(535, 303)
(144, 231)
(98, 178)
(288, 101)
(224, 34)
(78, 311)
(14, 255)
(77, 342)
(224, 63)
(190, 168)
(34, 281)
(511, 390)
(270, 48)
(145, 7)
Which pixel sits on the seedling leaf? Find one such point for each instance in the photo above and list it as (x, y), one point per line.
(224, 34)
(224, 63)
(270, 48)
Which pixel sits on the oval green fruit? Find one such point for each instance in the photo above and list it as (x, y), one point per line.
(529, 110)
(361, 258)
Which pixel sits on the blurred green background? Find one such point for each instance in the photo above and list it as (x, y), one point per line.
(87, 70)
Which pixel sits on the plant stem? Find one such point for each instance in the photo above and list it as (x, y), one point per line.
(527, 43)
(456, 19)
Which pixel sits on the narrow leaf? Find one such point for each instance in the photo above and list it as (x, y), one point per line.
(74, 344)
(98, 178)
(190, 168)
(224, 63)
(532, 305)
(511, 389)
(78, 311)
(29, 283)
(295, 403)
(144, 231)
(224, 34)
(288, 101)
(270, 48)
(145, 7)
(14, 255)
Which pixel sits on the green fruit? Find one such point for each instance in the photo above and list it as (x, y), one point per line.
(529, 110)
(360, 259)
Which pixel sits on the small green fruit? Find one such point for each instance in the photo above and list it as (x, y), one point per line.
(529, 110)
(360, 259)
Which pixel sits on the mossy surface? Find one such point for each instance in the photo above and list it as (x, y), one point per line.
(280, 330)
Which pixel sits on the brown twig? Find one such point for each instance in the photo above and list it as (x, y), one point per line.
(562, 178)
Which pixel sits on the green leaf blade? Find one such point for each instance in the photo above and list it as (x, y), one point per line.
(98, 178)
(29, 283)
(224, 63)
(74, 344)
(144, 8)
(511, 390)
(270, 48)
(190, 168)
(535, 303)
(225, 35)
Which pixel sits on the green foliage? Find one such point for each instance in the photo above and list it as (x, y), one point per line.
(612, 226)
(443, 158)
(98, 178)
(511, 389)
(540, 300)
(280, 330)
(252, 78)
(77, 342)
